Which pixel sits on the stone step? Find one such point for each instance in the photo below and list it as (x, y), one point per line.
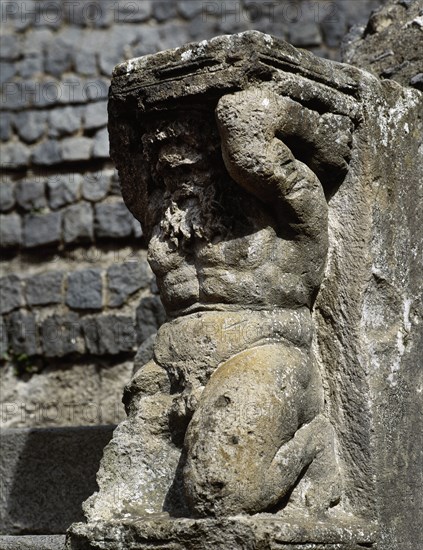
(33, 542)
(46, 474)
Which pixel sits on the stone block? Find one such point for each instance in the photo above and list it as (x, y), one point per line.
(14, 155)
(95, 115)
(162, 11)
(101, 144)
(5, 126)
(64, 121)
(96, 89)
(47, 153)
(125, 279)
(4, 339)
(32, 542)
(85, 289)
(63, 189)
(109, 334)
(189, 9)
(46, 475)
(30, 66)
(30, 125)
(78, 223)
(85, 62)
(58, 58)
(10, 46)
(150, 315)
(22, 333)
(61, 335)
(75, 90)
(30, 195)
(76, 148)
(37, 40)
(10, 230)
(95, 185)
(112, 220)
(7, 71)
(44, 288)
(42, 229)
(11, 296)
(133, 12)
(7, 195)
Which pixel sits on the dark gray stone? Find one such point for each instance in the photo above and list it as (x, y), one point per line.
(125, 279)
(22, 333)
(32, 542)
(10, 46)
(46, 475)
(11, 296)
(47, 153)
(133, 12)
(101, 144)
(30, 195)
(305, 34)
(7, 71)
(63, 189)
(145, 353)
(64, 121)
(76, 148)
(4, 340)
(164, 10)
(44, 288)
(5, 126)
(58, 58)
(14, 155)
(78, 223)
(30, 125)
(189, 9)
(95, 115)
(30, 65)
(109, 334)
(112, 220)
(85, 62)
(417, 81)
(150, 315)
(42, 229)
(61, 335)
(7, 195)
(95, 185)
(85, 289)
(10, 230)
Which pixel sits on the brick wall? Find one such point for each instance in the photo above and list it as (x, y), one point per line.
(77, 295)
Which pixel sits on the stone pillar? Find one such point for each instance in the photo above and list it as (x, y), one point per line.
(265, 180)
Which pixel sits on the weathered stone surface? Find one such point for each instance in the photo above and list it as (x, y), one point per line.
(251, 201)
(85, 289)
(42, 229)
(95, 186)
(4, 339)
(23, 334)
(44, 288)
(10, 230)
(63, 189)
(11, 296)
(14, 155)
(30, 195)
(112, 220)
(46, 474)
(7, 195)
(46, 153)
(78, 222)
(76, 148)
(61, 335)
(125, 279)
(95, 115)
(31, 125)
(101, 144)
(109, 334)
(150, 316)
(64, 121)
(32, 542)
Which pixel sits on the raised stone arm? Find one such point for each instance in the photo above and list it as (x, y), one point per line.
(251, 123)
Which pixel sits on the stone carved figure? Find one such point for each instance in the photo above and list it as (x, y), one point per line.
(257, 422)
(251, 424)
(237, 230)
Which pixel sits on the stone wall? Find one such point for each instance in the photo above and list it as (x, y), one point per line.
(77, 295)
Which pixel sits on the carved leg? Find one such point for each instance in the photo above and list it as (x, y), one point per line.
(257, 427)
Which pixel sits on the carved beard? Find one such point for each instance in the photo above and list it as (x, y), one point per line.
(191, 211)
